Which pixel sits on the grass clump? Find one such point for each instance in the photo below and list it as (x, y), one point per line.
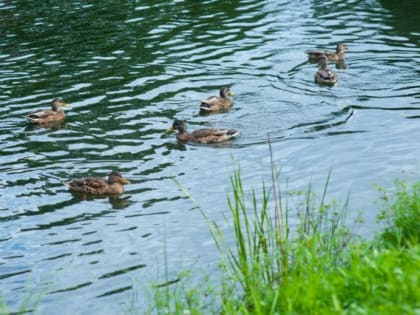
(324, 269)
(401, 213)
(268, 257)
(315, 266)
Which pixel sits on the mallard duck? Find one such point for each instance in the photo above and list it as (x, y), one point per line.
(99, 186)
(314, 55)
(217, 103)
(325, 75)
(53, 115)
(206, 135)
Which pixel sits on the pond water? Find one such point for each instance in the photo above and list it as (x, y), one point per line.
(128, 69)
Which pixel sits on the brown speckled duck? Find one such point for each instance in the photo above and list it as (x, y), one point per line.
(325, 75)
(50, 116)
(206, 135)
(217, 103)
(314, 55)
(98, 186)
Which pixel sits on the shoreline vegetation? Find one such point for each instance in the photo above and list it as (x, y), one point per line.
(316, 267)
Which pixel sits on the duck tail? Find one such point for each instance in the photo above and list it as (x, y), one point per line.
(205, 106)
(32, 119)
(233, 133)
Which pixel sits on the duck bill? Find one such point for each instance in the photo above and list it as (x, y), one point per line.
(124, 181)
(170, 130)
(65, 104)
(231, 94)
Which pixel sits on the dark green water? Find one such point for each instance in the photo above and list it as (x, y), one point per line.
(128, 69)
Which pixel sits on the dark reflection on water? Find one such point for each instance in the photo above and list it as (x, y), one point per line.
(404, 18)
(128, 70)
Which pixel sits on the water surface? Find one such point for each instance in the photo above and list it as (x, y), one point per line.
(128, 70)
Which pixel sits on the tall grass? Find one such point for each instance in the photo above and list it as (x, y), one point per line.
(322, 268)
(268, 255)
(270, 266)
(401, 213)
(315, 267)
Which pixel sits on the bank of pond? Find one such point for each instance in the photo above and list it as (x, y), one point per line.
(319, 266)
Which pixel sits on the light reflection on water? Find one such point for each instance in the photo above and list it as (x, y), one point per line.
(127, 72)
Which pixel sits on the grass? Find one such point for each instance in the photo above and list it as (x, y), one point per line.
(314, 267)
(317, 267)
(401, 215)
(29, 302)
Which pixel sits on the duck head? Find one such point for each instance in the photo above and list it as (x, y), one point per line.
(58, 103)
(178, 125)
(341, 47)
(116, 177)
(225, 92)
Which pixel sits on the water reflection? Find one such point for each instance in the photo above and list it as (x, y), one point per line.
(403, 18)
(52, 126)
(116, 202)
(340, 64)
(129, 70)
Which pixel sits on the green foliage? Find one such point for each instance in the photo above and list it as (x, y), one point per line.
(324, 270)
(317, 267)
(180, 298)
(401, 212)
(267, 255)
(314, 267)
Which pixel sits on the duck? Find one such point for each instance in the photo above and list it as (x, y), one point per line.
(217, 103)
(314, 55)
(206, 135)
(325, 75)
(53, 115)
(98, 186)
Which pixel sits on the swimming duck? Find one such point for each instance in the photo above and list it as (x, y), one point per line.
(314, 55)
(217, 103)
(206, 135)
(99, 186)
(53, 115)
(325, 75)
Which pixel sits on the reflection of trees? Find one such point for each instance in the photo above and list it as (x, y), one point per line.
(78, 42)
(405, 17)
(75, 29)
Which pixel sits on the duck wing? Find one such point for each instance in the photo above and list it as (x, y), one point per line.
(215, 103)
(40, 115)
(45, 116)
(211, 131)
(210, 100)
(213, 135)
(327, 74)
(89, 185)
(211, 103)
(317, 53)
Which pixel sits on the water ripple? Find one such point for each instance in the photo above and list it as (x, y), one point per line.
(128, 71)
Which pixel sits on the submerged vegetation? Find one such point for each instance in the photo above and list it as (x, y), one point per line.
(316, 266)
